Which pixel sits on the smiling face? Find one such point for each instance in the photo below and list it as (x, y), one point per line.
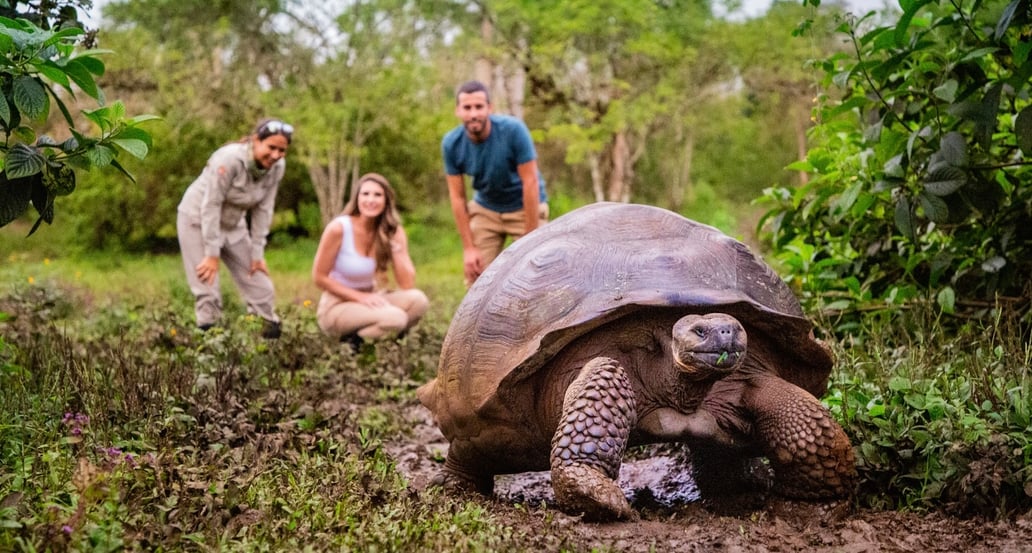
(710, 345)
(473, 108)
(269, 150)
(371, 199)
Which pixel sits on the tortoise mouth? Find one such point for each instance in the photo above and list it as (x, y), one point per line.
(706, 363)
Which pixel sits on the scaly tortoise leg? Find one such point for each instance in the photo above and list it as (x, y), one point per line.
(589, 443)
(808, 450)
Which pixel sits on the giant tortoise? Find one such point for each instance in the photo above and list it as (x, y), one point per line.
(620, 324)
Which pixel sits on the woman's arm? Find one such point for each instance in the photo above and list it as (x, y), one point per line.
(404, 269)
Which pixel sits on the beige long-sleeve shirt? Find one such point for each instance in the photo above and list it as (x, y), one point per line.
(229, 188)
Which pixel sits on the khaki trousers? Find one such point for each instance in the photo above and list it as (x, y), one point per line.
(338, 317)
(491, 229)
(256, 290)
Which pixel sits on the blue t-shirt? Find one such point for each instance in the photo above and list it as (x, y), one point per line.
(492, 163)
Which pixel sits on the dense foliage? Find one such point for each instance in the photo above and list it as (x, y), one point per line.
(920, 169)
(37, 64)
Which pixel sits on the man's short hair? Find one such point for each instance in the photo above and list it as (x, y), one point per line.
(469, 87)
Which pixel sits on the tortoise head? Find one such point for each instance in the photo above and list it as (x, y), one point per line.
(709, 346)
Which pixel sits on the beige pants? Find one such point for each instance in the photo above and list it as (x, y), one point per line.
(491, 229)
(338, 317)
(256, 290)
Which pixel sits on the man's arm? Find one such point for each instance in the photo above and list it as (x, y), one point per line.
(472, 265)
(531, 195)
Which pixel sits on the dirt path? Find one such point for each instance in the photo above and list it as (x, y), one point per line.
(673, 521)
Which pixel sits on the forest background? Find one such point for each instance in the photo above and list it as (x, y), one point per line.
(667, 106)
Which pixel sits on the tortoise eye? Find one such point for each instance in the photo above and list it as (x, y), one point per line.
(700, 332)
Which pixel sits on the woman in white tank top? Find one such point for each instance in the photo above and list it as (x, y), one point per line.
(356, 253)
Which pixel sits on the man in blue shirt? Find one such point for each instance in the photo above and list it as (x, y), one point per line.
(509, 199)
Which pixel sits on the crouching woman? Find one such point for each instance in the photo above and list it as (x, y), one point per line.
(356, 252)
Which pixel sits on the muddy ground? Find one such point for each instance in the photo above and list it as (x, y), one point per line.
(673, 519)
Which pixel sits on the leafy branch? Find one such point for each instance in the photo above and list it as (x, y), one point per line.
(36, 169)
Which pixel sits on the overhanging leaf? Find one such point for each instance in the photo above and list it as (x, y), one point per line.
(23, 161)
(135, 147)
(100, 155)
(82, 77)
(30, 97)
(14, 198)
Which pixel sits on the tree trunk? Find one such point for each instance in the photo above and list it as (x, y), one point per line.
(620, 168)
(801, 121)
(595, 162)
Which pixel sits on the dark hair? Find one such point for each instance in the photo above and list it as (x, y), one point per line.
(469, 87)
(270, 126)
(386, 224)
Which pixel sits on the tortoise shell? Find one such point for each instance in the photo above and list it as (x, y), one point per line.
(596, 264)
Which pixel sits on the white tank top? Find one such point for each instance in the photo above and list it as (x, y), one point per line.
(351, 268)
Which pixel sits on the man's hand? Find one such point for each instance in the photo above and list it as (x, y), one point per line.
(472, 265)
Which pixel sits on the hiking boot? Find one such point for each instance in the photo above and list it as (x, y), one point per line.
(272, 330)
(354, 341)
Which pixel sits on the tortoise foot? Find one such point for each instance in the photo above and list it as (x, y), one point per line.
(583, 490)
(453, 481)
(588, 445)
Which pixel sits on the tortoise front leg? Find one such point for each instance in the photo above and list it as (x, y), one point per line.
(808, 450)
(589, 443)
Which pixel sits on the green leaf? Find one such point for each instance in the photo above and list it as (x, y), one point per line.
(944, 180)
(1005, 18)
(900, 384)
(92, 64)
(23, 161)
(30, 97)
(82, 77)
(905, 218)
(953, 149)
(947, 299)
(51, 71)
(59, 180)
(135, 147)
(934, 207)
(5, 111)
(14, 198)
(128, 175)
(947, 91)
(1023, 130)
(100, 155)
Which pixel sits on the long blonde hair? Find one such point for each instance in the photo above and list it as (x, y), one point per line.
(387, 222)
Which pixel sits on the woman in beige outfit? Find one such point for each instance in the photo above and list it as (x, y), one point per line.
(240, 179)
(351, 265)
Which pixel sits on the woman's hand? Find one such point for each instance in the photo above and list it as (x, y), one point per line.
(373, 299)
(208, 269)
(259, 265)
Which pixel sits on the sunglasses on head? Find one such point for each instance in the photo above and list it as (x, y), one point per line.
(276, 127)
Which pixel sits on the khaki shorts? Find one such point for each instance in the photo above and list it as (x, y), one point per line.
(491, 229)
